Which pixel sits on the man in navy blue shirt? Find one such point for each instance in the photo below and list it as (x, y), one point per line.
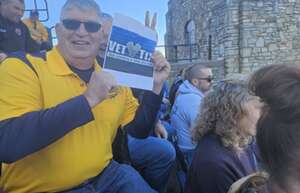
(14, 35)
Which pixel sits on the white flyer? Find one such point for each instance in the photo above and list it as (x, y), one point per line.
(129, 53)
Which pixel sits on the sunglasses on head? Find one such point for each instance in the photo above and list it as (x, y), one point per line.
(90, 26)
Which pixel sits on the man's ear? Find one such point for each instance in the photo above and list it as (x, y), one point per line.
(58, 29)
(194, 81)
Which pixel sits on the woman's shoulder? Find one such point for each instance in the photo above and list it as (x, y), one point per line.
(210, 149)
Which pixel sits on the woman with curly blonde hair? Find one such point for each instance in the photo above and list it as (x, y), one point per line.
(224, 130)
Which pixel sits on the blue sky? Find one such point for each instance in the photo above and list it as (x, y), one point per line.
(132, 8)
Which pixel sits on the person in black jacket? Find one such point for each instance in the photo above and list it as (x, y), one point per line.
(14, 35)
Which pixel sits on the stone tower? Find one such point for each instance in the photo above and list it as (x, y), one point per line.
(238, 35)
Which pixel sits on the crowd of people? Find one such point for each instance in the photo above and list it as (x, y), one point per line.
(64, 122)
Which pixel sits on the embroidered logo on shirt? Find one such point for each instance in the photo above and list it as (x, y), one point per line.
(18, 31)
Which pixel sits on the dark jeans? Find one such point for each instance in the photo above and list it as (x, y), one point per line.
(154, 158)
(116, 178)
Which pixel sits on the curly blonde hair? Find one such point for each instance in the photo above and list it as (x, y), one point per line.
(221, 111)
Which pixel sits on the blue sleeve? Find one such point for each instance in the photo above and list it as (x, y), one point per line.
(145, 116)
(166, 90)
(26, 134)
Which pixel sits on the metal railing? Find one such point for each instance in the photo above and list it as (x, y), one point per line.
(45, 10)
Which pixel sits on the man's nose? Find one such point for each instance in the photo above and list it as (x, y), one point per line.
(81, 30)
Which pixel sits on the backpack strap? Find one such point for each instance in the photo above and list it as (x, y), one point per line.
(22, 56)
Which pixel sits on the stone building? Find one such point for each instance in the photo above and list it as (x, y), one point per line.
(234, 36)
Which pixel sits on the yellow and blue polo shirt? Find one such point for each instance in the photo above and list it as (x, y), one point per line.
(82, 153)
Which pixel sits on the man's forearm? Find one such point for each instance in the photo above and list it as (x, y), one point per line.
(26, 134)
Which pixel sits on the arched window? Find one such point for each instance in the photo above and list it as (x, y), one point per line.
(190, 32)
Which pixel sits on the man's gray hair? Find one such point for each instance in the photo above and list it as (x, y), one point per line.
(84, 5)
(192, 71)
(106, 16)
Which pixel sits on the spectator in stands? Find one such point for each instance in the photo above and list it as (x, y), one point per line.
(278, 131)
(153, 157)
(224, 129)
(186, 107)
(105, 31)
(66, 111)
(37, 30)
(164, 112)
(175, 85)
(14, 35)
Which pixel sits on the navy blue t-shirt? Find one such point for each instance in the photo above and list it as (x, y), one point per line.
(85, 75)
(215, 168)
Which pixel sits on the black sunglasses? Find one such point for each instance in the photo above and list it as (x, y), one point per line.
(90, 26)
(208, 79)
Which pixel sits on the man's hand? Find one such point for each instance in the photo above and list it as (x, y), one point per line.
(160, 131)
(162, 70)
(2, 56)
(153, 22)
(99, 87)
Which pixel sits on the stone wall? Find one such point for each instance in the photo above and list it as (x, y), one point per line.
(270, 33)
(209, 18)
(245, 34)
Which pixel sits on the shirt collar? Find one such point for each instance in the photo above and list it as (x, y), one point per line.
(58, 65)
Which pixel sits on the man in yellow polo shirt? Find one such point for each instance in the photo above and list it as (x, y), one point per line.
(59, 117)
(37, 30)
